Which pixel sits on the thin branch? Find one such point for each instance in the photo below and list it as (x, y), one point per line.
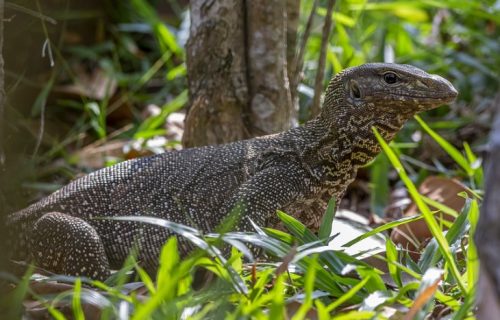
(299, 62)
(30, 12)
(320, 73)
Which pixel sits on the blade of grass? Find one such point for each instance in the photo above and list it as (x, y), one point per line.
(277, 307)
(379, 180)
(441, 207)
(475, 164)
(472, 258)
(392, 255)
(384, 227)
(299, 230)
(431, 253)
(348, 295)
(432, 224)
(326, 224)
(426, 291)
(308, 288)
(453, 152)
(16, 297)
(164, 36)
(146, 279)
(376, 283)
(76, 304)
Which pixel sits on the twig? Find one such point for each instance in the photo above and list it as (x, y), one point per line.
(299, 62)
(320, 73)
(30, 12)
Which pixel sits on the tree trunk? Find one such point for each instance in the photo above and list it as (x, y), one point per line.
(217, 80)
(292, 27)
(2, 94)
(270, 97)
(3, 237)
(487, 236)
(237, 70)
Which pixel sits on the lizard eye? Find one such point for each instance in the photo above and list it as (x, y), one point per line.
(390, 77)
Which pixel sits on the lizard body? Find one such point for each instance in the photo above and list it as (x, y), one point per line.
(296, 171)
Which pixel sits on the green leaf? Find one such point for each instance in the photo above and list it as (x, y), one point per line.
(308, 288)
(300, 231)
(433, 226)
(13, 301)
(475, 164)
(146, 279)
(440, 207)
(75, 302)
(325, 229)
(280, 235)
(176, 72)
(375, 283)
(472, 257)
(448, 147)
(409, 11)
(322, 311)
(155, 122)
(432, 254)
(383, 227)
(164, 36)
(392, 255)
(169, 258)
(348, 295)
(379, 184)
(277, 305)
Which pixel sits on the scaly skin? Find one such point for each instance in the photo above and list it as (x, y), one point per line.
(295, 171)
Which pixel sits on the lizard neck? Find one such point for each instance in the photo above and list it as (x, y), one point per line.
(351, 137)
(344, 140)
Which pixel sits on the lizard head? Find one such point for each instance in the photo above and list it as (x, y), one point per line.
(386, 88)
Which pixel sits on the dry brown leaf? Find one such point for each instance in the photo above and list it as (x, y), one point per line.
(422, 299)
(286, 261)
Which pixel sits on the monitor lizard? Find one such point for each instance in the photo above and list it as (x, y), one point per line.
(296, 171)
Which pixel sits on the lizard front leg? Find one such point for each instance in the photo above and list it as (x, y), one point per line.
(65, 244)
(267, 191)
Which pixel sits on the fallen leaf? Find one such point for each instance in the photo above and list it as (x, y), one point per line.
(426, 292)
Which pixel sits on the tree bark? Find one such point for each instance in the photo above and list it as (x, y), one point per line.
(320, 71)
(2, 92)
(218, 90)
(3, 233)
(237, 70)
(271, 101)
(292, 27)
(487, 237)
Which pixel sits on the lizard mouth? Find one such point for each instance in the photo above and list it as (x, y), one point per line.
(432, 91)
(449, 97)
(426, 98)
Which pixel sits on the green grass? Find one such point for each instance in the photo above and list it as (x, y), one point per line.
(301, 270)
